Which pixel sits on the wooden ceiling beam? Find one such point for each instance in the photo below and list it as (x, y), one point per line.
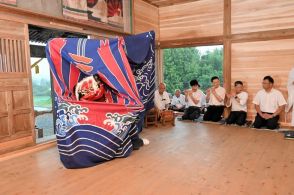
(215, 40)
(150, 2)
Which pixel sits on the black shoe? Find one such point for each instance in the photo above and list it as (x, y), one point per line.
(137, 143)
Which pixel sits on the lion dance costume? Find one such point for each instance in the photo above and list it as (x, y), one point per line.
(102, 89)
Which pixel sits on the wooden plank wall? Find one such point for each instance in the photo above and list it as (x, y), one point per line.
(16, 109)
(252, 61)
(52, 7)
(261, 15)
(145, 18)
(191, 20)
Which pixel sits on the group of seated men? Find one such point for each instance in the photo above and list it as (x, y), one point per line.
(269, 102)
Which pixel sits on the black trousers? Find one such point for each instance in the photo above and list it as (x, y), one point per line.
(237, 117)
(213, 113)
(271, 123)
(191, 113)
(174, 108)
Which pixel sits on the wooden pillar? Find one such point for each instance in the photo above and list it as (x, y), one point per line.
(132, 17)
(30, 81)
(159, 65)
(227, 45)
(227, 65)
(227, 49)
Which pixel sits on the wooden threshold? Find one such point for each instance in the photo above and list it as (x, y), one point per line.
(28, 150)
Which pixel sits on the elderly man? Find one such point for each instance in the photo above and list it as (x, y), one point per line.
(269, 103)
(178, 102)
(161, 98)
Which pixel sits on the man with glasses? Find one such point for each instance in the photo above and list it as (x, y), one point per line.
(269, 103)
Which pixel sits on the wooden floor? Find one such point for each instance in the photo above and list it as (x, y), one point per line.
(190, 158)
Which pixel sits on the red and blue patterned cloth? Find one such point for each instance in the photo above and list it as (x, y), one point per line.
(90, 132)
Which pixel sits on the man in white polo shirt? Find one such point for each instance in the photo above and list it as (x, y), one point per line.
(193, 97)
(269, 103)
(161, 98)
(215, 97)
(238, 101)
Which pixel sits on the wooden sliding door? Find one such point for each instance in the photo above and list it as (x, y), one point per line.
(16, 109)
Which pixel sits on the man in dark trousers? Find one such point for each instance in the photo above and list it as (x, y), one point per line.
(193, 98)
(269, 103)
(238, 102)
(215, 97)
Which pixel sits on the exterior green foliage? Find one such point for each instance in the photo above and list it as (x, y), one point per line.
(184, 64)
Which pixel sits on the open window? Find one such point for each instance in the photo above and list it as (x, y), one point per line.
(184, 64)
(41, 80)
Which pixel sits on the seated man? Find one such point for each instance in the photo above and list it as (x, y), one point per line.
(161, 98)
(269, 103)
(178, 102)
(193, 98)
(215, 97)
(238, 101)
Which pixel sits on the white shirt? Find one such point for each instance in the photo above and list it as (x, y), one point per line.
(161, 100)
(198, 95)
(242, 106)
(290, 85)
(269, 101)
(220, 91)
(178, 101)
